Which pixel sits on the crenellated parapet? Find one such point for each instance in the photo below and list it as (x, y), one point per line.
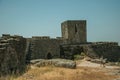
(106, 43)
(40, 37)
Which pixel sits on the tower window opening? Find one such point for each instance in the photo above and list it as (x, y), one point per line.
(76, 28)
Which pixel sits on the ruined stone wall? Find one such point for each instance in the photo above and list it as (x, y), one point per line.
(109, 50)
(44, 48)
(12, 54)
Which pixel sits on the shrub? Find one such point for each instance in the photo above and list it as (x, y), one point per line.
(79, 56)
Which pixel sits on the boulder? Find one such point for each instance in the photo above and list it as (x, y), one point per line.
(54, 62)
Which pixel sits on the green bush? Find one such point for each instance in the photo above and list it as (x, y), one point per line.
(79, 56)
(82, 54)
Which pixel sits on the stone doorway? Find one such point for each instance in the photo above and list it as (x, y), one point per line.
(49, 56)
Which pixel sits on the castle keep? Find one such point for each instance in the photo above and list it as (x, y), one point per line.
(16, 51)
(74, 31)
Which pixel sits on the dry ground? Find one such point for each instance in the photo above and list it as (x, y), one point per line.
(85, 71)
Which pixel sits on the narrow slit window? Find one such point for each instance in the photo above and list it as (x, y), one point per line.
(76, 28)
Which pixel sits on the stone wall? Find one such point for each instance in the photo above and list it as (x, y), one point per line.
(109, 50)
(12, 54)
(68, 51)
(44, 48)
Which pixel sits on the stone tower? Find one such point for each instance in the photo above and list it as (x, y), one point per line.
(74, 31)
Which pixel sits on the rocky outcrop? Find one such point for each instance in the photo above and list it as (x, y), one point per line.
(54, 62)
(12, 54)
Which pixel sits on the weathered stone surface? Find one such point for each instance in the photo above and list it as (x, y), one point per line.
(74, 31)
(12, 54)
(44, 48)
(108, 50)
(55, 62)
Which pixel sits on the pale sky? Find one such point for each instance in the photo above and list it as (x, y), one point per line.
(44, 17)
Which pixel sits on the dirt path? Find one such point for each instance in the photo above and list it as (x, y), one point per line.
(108, 70)
(84, 63)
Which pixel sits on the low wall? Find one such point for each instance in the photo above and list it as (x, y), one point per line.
(111, 51)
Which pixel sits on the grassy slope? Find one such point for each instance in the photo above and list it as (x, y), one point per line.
(53, 73)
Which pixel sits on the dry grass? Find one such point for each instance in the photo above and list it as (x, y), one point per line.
(54, 73)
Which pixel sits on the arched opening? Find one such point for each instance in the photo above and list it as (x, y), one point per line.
(62, 54)
(49, 56)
